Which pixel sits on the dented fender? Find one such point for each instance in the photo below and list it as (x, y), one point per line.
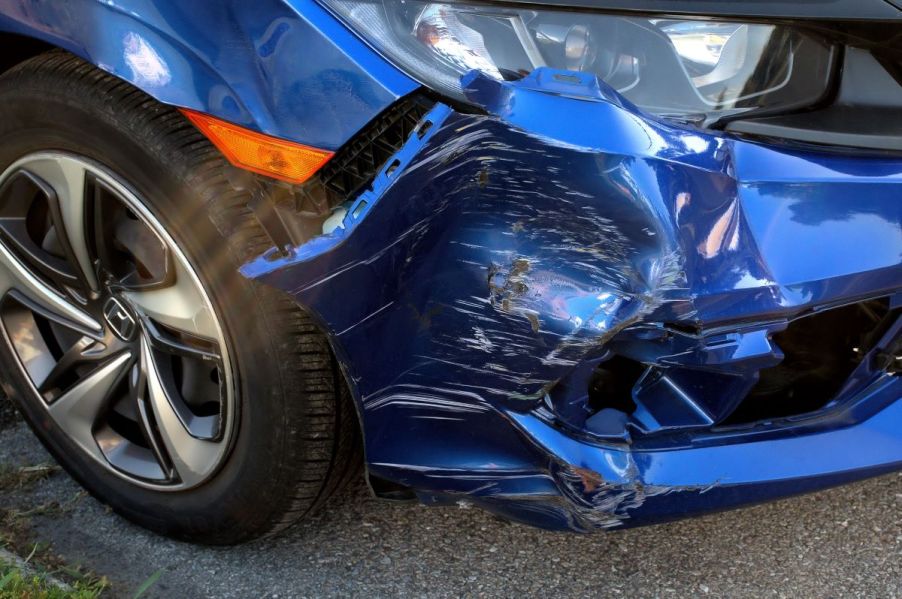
(231, 59)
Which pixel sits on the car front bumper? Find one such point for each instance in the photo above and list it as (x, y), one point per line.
(501, 255)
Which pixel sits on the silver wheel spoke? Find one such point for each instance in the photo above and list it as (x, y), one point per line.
(192, 458)
(67, 177)
(180, 306)
(77, 410)
(111, 324)
(76, 355)
(14, 275)
(148, 464)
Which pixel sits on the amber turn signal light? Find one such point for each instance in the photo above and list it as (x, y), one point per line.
(270, 156)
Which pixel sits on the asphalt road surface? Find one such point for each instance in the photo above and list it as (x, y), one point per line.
(846, 542)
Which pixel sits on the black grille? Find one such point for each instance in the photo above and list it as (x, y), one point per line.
(358, 161)
(303, 208)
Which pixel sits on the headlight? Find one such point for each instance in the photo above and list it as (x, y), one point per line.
(689, 70)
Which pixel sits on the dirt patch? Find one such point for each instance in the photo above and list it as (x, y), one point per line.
(8, 414)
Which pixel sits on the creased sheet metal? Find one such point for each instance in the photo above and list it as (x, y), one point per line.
(506, 249)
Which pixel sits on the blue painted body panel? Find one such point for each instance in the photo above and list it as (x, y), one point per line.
(283, 67)
(506, 251)
(477, 283)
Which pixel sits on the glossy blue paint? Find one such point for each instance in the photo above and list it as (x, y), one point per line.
(283, 67)
(509, 251)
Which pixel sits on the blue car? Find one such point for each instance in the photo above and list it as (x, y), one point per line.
(586, 264)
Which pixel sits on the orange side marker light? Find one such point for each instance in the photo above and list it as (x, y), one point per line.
(270, 156)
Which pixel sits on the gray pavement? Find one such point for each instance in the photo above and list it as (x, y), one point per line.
(844, 542)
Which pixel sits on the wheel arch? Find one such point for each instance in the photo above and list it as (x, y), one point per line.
(244, 74)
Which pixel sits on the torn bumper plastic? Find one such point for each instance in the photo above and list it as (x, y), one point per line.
(498, 260)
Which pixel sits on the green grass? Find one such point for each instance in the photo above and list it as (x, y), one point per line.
(40, 574)
(17, 584)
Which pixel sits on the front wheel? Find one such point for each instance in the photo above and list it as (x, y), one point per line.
(191, 400)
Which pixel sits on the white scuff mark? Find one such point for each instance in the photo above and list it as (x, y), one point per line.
(147, 66)
(438, 418)
(367, 317)
(479, 342)
(424, 400)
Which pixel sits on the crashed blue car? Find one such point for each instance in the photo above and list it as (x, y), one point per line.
(586, 264)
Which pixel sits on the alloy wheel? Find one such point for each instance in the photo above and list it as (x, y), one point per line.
(110, 324)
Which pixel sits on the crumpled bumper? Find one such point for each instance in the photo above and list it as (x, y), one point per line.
(500, 257)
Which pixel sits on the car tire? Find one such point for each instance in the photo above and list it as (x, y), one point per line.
(284, 433)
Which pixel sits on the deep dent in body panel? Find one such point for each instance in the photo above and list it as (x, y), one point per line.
(499, 258)
(605, 294)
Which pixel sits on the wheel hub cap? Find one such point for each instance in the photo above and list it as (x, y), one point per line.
(119, 319)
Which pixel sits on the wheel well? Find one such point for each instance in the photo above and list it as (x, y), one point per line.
(19, 48)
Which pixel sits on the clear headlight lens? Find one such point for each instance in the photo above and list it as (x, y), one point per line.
(684, 69)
